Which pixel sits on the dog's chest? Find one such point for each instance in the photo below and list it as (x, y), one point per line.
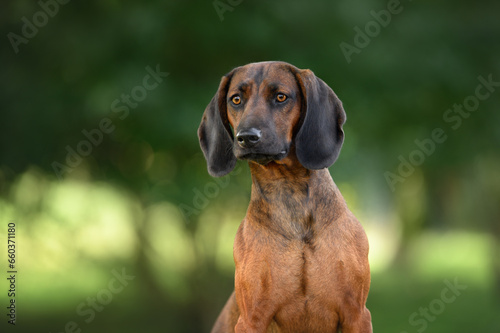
(300, 265)
(299, 279)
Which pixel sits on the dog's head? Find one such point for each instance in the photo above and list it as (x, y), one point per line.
(262, 112)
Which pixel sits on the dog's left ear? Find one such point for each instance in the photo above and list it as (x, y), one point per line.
(215, 135)
(319, 139)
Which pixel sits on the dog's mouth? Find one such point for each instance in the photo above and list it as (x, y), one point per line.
(263, 159)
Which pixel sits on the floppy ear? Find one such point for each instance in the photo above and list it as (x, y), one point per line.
(320, 137)
(215, 135)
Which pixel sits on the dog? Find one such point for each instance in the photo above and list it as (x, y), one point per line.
(301, 257)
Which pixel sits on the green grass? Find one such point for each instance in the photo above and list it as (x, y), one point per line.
(395, 295)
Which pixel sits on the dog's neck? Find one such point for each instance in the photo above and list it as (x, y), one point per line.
(284, 197)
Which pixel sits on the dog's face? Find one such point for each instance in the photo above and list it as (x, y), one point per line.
(263, 112)
(263, 108)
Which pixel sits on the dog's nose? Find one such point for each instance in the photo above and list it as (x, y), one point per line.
(248, 137)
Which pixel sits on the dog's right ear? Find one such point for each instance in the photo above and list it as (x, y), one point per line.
(215, 134)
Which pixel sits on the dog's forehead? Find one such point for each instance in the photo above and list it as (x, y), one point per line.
(276, 73)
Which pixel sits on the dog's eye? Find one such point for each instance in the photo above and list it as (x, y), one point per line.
(236, 100)
(281, 98)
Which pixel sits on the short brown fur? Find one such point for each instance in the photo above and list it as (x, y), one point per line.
(301, 256)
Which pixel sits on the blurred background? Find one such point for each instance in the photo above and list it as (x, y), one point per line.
(119, 227)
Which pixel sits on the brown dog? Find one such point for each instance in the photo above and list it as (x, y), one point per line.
(301, 256)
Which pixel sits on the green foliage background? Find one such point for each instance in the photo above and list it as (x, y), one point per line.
(142, 201)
